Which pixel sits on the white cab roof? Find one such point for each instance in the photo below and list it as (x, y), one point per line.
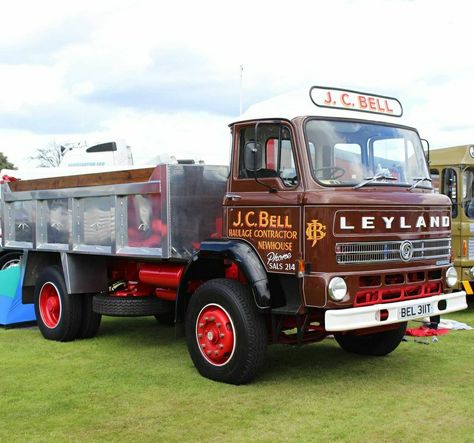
(301, 104)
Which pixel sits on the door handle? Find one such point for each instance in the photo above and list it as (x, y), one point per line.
(232, 196)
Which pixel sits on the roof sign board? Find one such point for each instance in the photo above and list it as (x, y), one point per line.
(355, 101)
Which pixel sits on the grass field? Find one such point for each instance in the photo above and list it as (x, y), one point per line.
(136, 382)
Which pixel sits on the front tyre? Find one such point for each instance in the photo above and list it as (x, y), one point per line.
(378, 344)
(58, 314)
(225, 333)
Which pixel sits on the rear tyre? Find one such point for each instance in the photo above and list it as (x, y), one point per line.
(90, 320)
(378, 344)
(58, 314)
(225, 333)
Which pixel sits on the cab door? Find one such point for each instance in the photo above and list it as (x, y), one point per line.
(466, 231)
(449, 184)
(263, 202)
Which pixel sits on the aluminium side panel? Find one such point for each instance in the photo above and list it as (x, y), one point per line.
(195, 197)
(94, 224)
(53, 224)
(166, 217)
(18, 222)
(141, 227)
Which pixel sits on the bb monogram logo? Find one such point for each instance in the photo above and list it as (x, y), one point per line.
(315, 231)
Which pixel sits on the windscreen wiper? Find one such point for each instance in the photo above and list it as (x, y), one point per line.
(418, 181)
(376, 177)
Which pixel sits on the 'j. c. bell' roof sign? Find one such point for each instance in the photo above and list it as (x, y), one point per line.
(355, 101)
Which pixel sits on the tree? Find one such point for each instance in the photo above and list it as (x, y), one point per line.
(4, 163)
(48, 157)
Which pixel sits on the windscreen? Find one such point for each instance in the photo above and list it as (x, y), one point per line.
(348, 153)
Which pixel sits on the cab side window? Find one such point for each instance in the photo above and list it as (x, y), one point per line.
(273, 156)
(434, 173)
(468, 192)
(449, 188)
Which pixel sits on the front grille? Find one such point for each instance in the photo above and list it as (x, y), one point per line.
(374, 296)
(393, 287)
(389, 251)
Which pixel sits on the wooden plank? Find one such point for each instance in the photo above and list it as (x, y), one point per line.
(79, 181)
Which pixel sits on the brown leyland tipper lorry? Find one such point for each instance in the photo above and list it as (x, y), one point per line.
(325, 223)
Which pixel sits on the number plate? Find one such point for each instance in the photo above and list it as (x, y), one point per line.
(414, 311)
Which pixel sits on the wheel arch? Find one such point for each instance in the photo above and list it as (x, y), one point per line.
(82, 273)
(208, 263)
(33, 264)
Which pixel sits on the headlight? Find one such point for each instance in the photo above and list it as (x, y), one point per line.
(471, 273)
(337, 288)
(451, 277)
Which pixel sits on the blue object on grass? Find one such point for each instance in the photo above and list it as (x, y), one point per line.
(12, 311)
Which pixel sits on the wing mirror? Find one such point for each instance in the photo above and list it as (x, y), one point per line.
(252, 156)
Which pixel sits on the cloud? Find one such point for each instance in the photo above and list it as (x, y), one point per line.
(178, 80)
(200, 136)
(59, 118)
(41, 47)
(192, 85)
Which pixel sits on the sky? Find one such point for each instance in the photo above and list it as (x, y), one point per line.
(166, 76)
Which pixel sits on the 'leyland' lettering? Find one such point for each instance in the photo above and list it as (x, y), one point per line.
(389, 223)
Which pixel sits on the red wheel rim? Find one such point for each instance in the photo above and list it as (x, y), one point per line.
(215, 334)
(50, 305)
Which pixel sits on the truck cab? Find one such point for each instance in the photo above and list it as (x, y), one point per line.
(338, 193)
(452, 171)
